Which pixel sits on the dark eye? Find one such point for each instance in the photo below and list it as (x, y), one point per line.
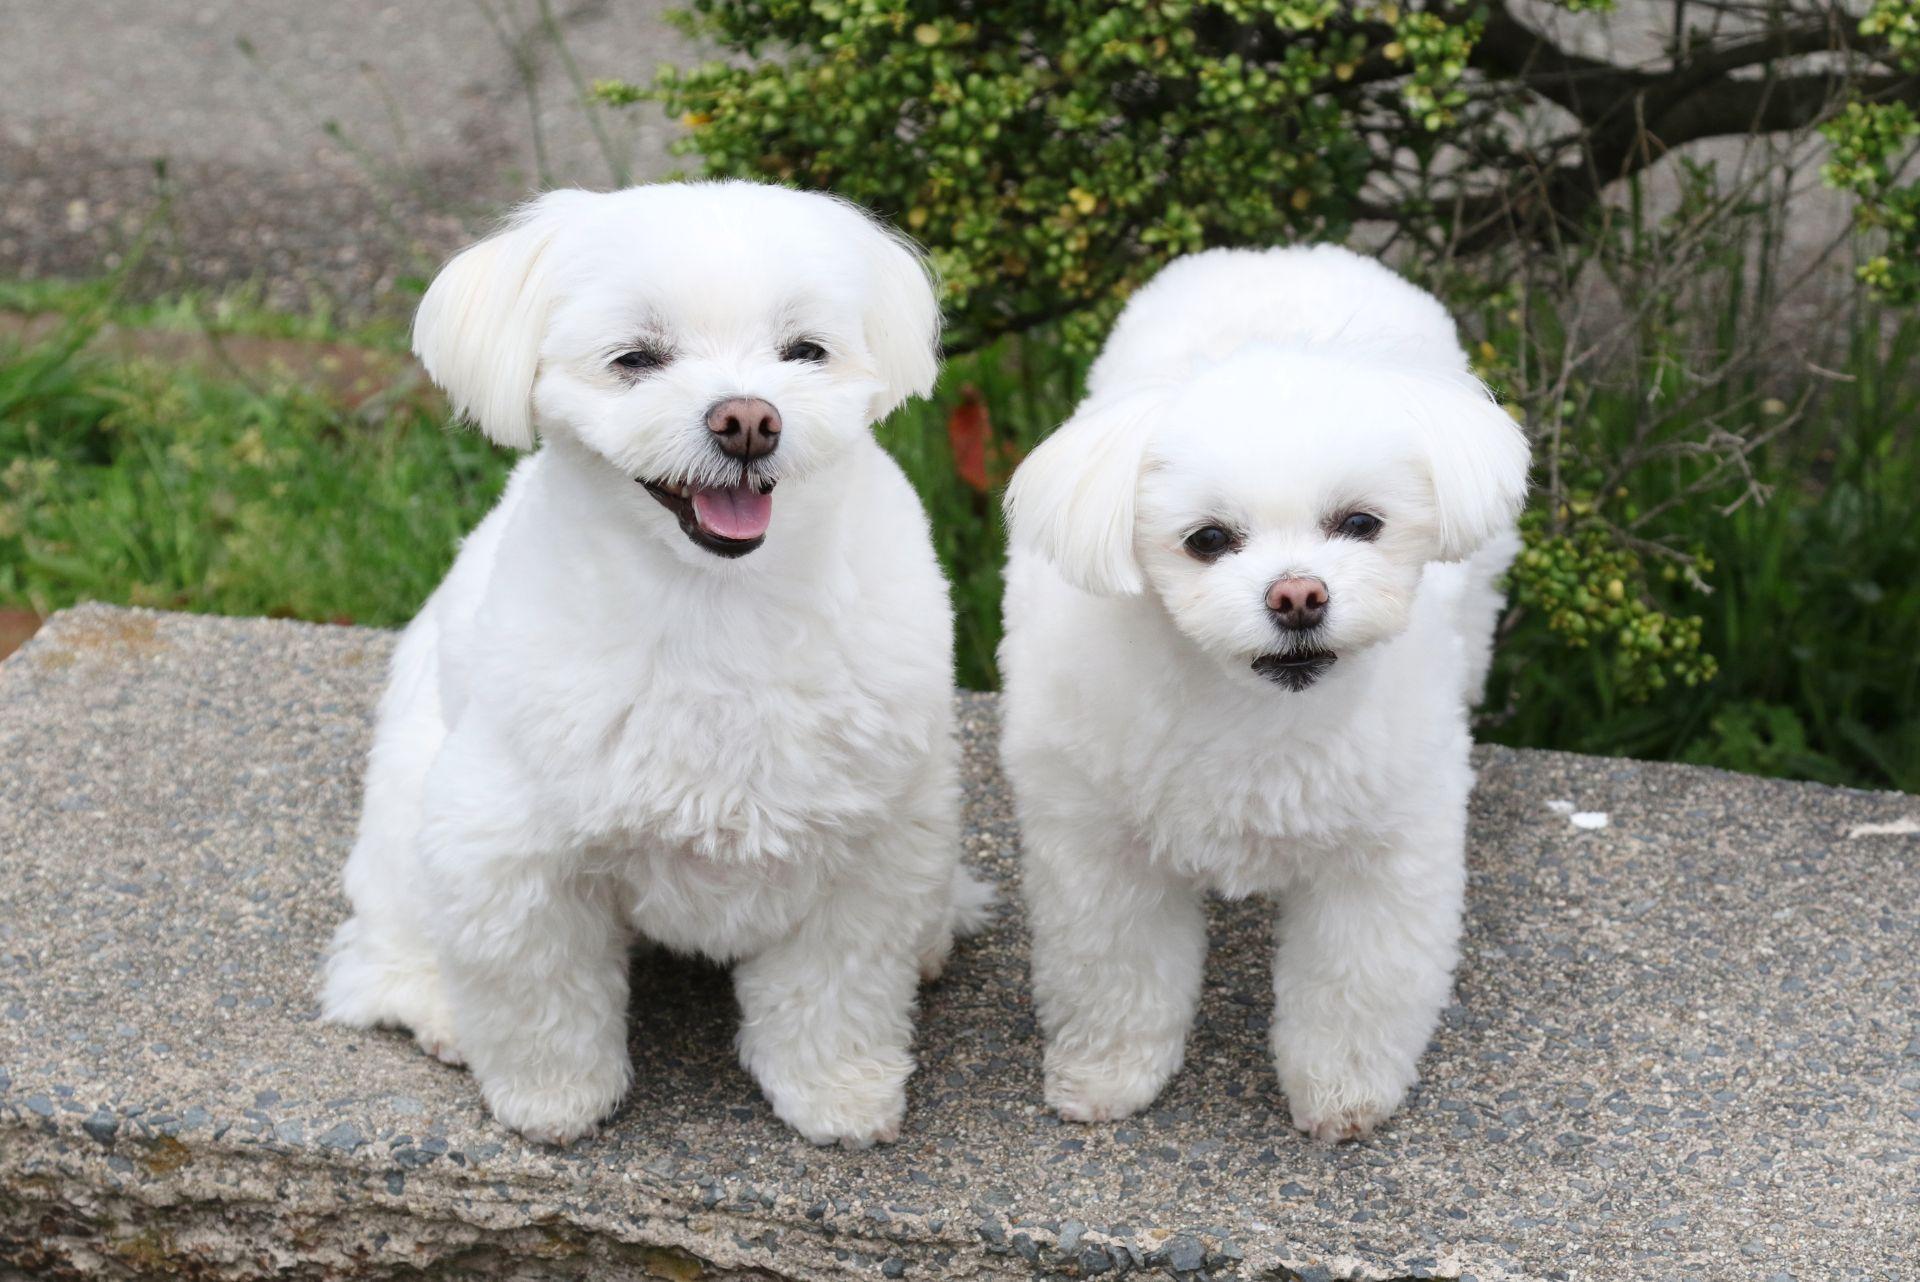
(1209, 541)
(640, 359)
(804, 349)
(1359, 525)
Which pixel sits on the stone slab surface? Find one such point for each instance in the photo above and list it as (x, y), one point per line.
(1686, 1044)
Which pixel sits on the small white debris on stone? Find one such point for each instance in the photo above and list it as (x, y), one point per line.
(1905, 827)
(1585, 819)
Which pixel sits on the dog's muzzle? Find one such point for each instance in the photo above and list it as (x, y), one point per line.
(729, 520)
(1295, 671)
(726, 520)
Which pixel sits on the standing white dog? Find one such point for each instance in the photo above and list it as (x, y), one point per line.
(655, 698)
(1241, 642)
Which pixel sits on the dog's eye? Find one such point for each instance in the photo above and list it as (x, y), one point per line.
(804, 349)
(1359, 525)
(638, 360)
(1209, 541)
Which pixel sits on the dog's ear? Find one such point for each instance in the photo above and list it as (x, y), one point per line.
(479, 328)
(1477, 456)
(902, 318)
(1072, 499)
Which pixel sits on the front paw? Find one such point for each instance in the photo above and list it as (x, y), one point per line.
(562, 1113)
(855, 1104)
(1328, 1124)
(933, 958)
(441, 1048)
(433, 1030)
(1108, 1084)
(1337, 1101)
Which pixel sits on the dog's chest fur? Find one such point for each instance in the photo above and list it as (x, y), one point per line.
(1249, 816)
(730, 806)
(1248, 794)
(727, 744)
(791, 728)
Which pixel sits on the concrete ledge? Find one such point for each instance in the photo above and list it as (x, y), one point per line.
(1686, 1043)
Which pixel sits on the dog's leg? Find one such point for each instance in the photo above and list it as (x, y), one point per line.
(969, 907)
(1119, 945)
(532, 950)
(827, 1012)
(1364, 963)
(380, 968)
(535, 966)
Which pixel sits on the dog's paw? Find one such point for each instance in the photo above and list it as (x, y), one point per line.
(433, 1030)
(1091, 1087)
(1340, 1125)
(969, 910)
(1337, 1103)
(932, 960)
(441, 1047)
(856, 1105)
(557, 1114)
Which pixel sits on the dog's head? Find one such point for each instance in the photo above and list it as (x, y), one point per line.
(707, 340)
(1279, 503)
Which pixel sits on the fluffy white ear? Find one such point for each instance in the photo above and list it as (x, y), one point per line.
(479, 327)
(902, 320)
(1478, 458)
(1072, 499)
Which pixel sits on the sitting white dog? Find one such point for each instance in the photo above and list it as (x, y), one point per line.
(1250, 600)
(654, 698)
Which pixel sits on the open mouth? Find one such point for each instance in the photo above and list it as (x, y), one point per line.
(726, 520)
(1295, 671)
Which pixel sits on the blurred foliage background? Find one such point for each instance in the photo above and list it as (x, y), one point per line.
(1721, 553)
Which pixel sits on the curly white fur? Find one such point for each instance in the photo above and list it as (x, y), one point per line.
(598, 730)
(1271, 394)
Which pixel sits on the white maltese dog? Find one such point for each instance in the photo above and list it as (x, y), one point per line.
(655, 698)
(1250, 600)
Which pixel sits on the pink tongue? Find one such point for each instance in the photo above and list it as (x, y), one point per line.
(736, 512)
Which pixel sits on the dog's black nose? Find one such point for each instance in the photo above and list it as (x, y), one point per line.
(746, 427)
(1297, 603)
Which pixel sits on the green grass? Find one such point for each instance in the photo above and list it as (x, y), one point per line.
(239, 310)
(125, 482)
(1814, 613)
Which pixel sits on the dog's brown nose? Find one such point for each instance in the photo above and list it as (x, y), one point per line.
(1297, 603)
(746, 427)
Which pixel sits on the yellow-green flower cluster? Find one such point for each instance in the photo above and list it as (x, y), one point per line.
(1594, 592)
(1435, 50)
(1897, 23)
(1871, 142)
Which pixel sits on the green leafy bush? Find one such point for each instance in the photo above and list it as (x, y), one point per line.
(1052, 154)
(1796, 649)
(1871, 143)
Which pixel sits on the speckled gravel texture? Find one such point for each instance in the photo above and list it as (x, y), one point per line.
(327, 155)
(1686, 1045)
